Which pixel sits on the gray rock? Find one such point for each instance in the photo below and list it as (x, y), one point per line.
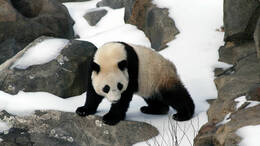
(257, 37)
(25, 20)
(242, 81)
(65, 76)
(114, 4)
(8, 48)
(94, 17)
(154, 21)
(56, 128)
(240, 17)
(64, 1)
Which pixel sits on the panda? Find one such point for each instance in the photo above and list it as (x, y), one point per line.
(118, 70)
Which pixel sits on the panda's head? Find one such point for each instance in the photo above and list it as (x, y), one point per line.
(110, 74)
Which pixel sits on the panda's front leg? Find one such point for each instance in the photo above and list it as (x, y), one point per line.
(91, 104)
(118, 110)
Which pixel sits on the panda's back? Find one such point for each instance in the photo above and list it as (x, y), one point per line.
(155, 72)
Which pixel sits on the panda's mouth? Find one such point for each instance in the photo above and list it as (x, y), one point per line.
(114, 101)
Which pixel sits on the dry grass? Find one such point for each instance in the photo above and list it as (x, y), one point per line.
(176, 133)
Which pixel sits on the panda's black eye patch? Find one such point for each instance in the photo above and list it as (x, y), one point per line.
(106, 89)
(95, 67)
(119, 86)
(122, 65)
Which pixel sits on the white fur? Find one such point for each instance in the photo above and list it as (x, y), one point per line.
(155, 71)
(108, 57)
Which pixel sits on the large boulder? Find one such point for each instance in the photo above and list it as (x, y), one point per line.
(240, 17)
(22, 21)
(257, 37)
(64, 76)
(242, 79)
(154, 21)
(114, 4)
(94, 16)
(54, 128)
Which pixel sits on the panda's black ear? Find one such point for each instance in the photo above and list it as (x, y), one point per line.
(95, 67)
(122, 65)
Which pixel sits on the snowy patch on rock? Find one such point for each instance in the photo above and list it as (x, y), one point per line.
(41, 53)
(241, 100)
(3, 127)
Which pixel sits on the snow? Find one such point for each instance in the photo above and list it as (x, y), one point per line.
(241, 100)
(41, 53)
(24, 104)
(226, 120)
(250, 135)
(194, 52)
(3, 127)
(253, 103)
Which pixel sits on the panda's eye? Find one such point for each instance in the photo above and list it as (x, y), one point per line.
(106, 89)
(122, 65)
(119, 86)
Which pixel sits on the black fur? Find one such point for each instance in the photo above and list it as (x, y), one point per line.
(122, 65)
(118, 110)
(95, 67)
(179, 98)
(155, 106)
(92, 99)
(176, 97)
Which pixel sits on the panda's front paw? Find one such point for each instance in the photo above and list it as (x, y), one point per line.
(84, 111)
(111, 119)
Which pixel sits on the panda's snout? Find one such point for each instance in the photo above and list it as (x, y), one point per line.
(113, 96)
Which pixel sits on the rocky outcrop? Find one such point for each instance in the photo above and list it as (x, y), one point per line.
(25, 20)
(54, 128)
(64, 76)
(257, 37)
(94, 17)
(114, 4)
(238, 86)
(240, 18)
(154, 21)
(242, 79)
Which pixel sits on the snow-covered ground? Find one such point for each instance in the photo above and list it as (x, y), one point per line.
(194, 52)
(250, 135)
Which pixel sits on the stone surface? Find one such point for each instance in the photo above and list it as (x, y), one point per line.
(94, 17)
(257, 37)
(7, 49)
(242, 79)
(25, 20)
(240, 17)
(54, 128)
(154, 21)
(65, 76)
(64, 1)
(114, 4)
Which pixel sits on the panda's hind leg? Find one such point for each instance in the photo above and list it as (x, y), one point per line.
(155, 106)
(179, 98)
